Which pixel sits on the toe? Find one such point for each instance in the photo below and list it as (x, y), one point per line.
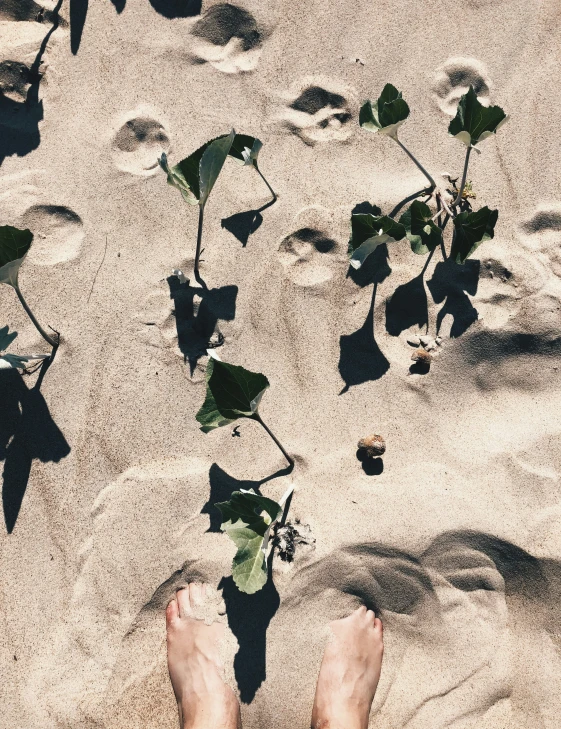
(172, 611)
(184, 602)
(378, 625)
(197, 593)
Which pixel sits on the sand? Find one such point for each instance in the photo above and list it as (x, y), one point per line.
(108, 484)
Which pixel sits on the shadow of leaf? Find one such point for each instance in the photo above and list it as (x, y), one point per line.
(196, 320)
(407, 307)
(249, 617)
(242, 225)
(361, 359)
(450, 283)
(28, 432)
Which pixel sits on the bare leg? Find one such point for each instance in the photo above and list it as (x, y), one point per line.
(349, 672)
(204, 701)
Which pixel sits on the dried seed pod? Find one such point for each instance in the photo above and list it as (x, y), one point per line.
(422, 356)
(373, 445)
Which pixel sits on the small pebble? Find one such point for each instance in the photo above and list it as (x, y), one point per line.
(414, 341)
(425, 339)
(374, 445)
(438, 340)
(422, 356)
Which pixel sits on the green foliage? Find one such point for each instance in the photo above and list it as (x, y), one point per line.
(245, 149)
(14, 244)
(422, 232)
(247, 519)
(470, 231)
(387, 114)
(232, 392)
(195, 175)
(370, 231)
(13, 361)
(474, 122)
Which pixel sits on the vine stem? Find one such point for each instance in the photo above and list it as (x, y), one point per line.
(199, 242)
(290, 460)
(42, 332)
(416, 161)
(262, 176)
(464, 175)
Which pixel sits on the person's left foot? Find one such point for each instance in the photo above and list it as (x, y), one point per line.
(203, 699)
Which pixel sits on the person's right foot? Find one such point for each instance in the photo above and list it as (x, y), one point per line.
(203, 699)
(349, 672)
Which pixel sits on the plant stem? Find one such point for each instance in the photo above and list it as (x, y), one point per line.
(257, 417)
(262, 176)
(42, 332)
(464, 175)
(416, 161)
(199, 241)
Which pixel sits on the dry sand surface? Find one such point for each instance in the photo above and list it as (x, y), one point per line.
(108, 483)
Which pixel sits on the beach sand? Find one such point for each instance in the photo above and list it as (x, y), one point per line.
(108, 483)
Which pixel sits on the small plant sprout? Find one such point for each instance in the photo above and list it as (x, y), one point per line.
(196, 175)
(386, 116)
(420, 224)
(233, 392)
(14, 361)
(370, 231)
(247, 518)
(14, 245)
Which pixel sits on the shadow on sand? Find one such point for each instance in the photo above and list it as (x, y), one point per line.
(27, 432)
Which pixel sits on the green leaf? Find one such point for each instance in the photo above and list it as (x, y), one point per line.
(474, 122)
(14, 244)
(232, 392)
(246, 519)
(245, 149)
(423, 234)
(387, 114)
(211, 164)
(187, 175)
(13, 361)
(470, 231)
(370, 231)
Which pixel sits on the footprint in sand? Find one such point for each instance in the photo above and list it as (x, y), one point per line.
(318, 110)
(15, 80)
(310, 255)
(454, 78)
(229, 38)
(138, 144)
(21, 10)
(58, 231)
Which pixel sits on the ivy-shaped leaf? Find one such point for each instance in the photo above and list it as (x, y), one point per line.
(474, 122)
(247, 518)
(232, 392)
(195, 175)
(470, 231)
(245, 149)
(13, 361)
(211, 164)
(422, 232)
(387, 114)
(370, 231)
(14, 244)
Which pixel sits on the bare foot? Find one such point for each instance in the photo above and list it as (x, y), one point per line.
(203, 699)
(349, 672)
